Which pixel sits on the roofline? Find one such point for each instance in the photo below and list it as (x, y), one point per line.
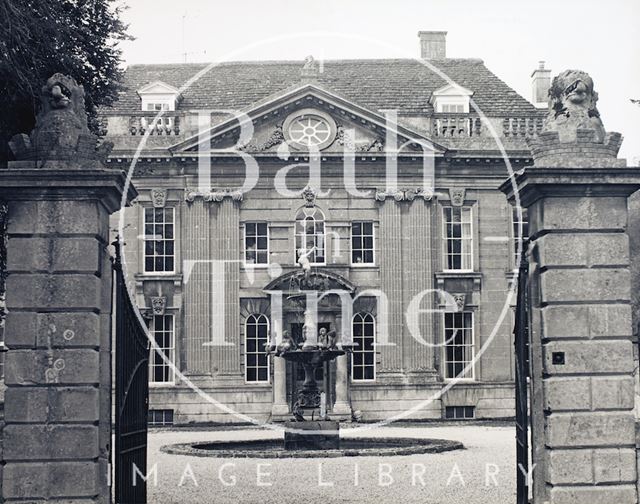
(301, 61)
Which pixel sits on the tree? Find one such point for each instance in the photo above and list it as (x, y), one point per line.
(41, 37)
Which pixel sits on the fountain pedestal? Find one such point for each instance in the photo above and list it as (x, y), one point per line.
(312, 435)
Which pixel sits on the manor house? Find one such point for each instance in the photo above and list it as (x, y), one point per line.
(207, 259)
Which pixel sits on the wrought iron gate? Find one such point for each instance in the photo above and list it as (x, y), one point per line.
(521, 333)
(132, 396)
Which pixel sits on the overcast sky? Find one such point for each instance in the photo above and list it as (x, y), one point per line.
(599, 37)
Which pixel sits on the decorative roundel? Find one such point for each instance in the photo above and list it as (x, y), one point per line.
(309, 128)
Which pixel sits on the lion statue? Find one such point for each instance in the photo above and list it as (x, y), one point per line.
(572, 106)
(61, 130)
(62, 115)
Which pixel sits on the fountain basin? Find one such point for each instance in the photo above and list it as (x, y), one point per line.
(312, 435)
(349, 447)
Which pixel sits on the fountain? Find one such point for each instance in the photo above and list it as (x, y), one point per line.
(312, 351)
(311, 433)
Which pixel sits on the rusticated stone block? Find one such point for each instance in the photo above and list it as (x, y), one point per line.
(589, 357)
(622, 494)
(54, 330)
(609, 284)
(586, 250)
(36, 367)
(50, 442)
(586, 213)
(616, 465)
(569, 467)
(50, 480)
(51, 404)
(567, 394)
(42, 291)
(55, 255)
(587, 321)
(565, 430)
(612, 392)
(58, 217)
(589, 393)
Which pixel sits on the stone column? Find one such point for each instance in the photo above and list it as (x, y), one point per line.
(57, 437)
(582, 364)
(342, 407)
(226, 247)
(417, 277)
(280, 408)
(391, 233)
(196, 253)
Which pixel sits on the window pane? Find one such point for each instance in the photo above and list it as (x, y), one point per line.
(459, 351)
(256, 361)
(362, 242)
(363, 355)
(159, 239)
(458, 238)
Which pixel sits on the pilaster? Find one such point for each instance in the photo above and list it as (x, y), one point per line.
(391, 266)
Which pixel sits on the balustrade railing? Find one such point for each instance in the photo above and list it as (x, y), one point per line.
(521, 126)
(166, 125)
(456, 126)
(468, 126)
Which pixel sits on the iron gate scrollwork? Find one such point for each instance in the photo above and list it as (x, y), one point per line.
(521, 341)
(132, 393)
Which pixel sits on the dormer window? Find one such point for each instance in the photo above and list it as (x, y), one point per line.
(451, 100)
(158, 96)
(453, 108)
(158, 106)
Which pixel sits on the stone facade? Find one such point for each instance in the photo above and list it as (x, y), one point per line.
(409, 250)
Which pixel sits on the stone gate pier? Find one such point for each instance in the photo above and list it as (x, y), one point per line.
(57, 436)
(581, 346)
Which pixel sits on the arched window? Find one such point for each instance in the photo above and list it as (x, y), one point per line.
(310, 235)
(363, 358)
(256, 361)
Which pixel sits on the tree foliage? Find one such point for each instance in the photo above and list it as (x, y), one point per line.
(41, 37)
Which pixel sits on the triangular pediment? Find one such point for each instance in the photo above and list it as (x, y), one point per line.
(287, 117)
(158, 87)
(451, 90)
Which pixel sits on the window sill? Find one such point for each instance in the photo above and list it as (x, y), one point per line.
(159, 274)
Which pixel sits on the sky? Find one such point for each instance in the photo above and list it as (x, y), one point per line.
(511, 36)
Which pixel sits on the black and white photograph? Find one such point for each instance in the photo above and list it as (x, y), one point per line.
(319, 252)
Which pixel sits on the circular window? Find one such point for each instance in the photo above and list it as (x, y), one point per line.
(309, 129)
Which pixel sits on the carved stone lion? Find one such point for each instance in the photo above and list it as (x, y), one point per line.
(572, 106)
(61, 130)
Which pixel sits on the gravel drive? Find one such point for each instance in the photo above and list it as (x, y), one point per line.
(461, 476)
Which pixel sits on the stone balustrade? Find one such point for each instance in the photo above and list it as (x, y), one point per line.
(167, 125)
(469, 126)
(459, 125)
(521, 127)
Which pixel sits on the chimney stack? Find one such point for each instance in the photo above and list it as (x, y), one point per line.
(433, 44)
(540, 84)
